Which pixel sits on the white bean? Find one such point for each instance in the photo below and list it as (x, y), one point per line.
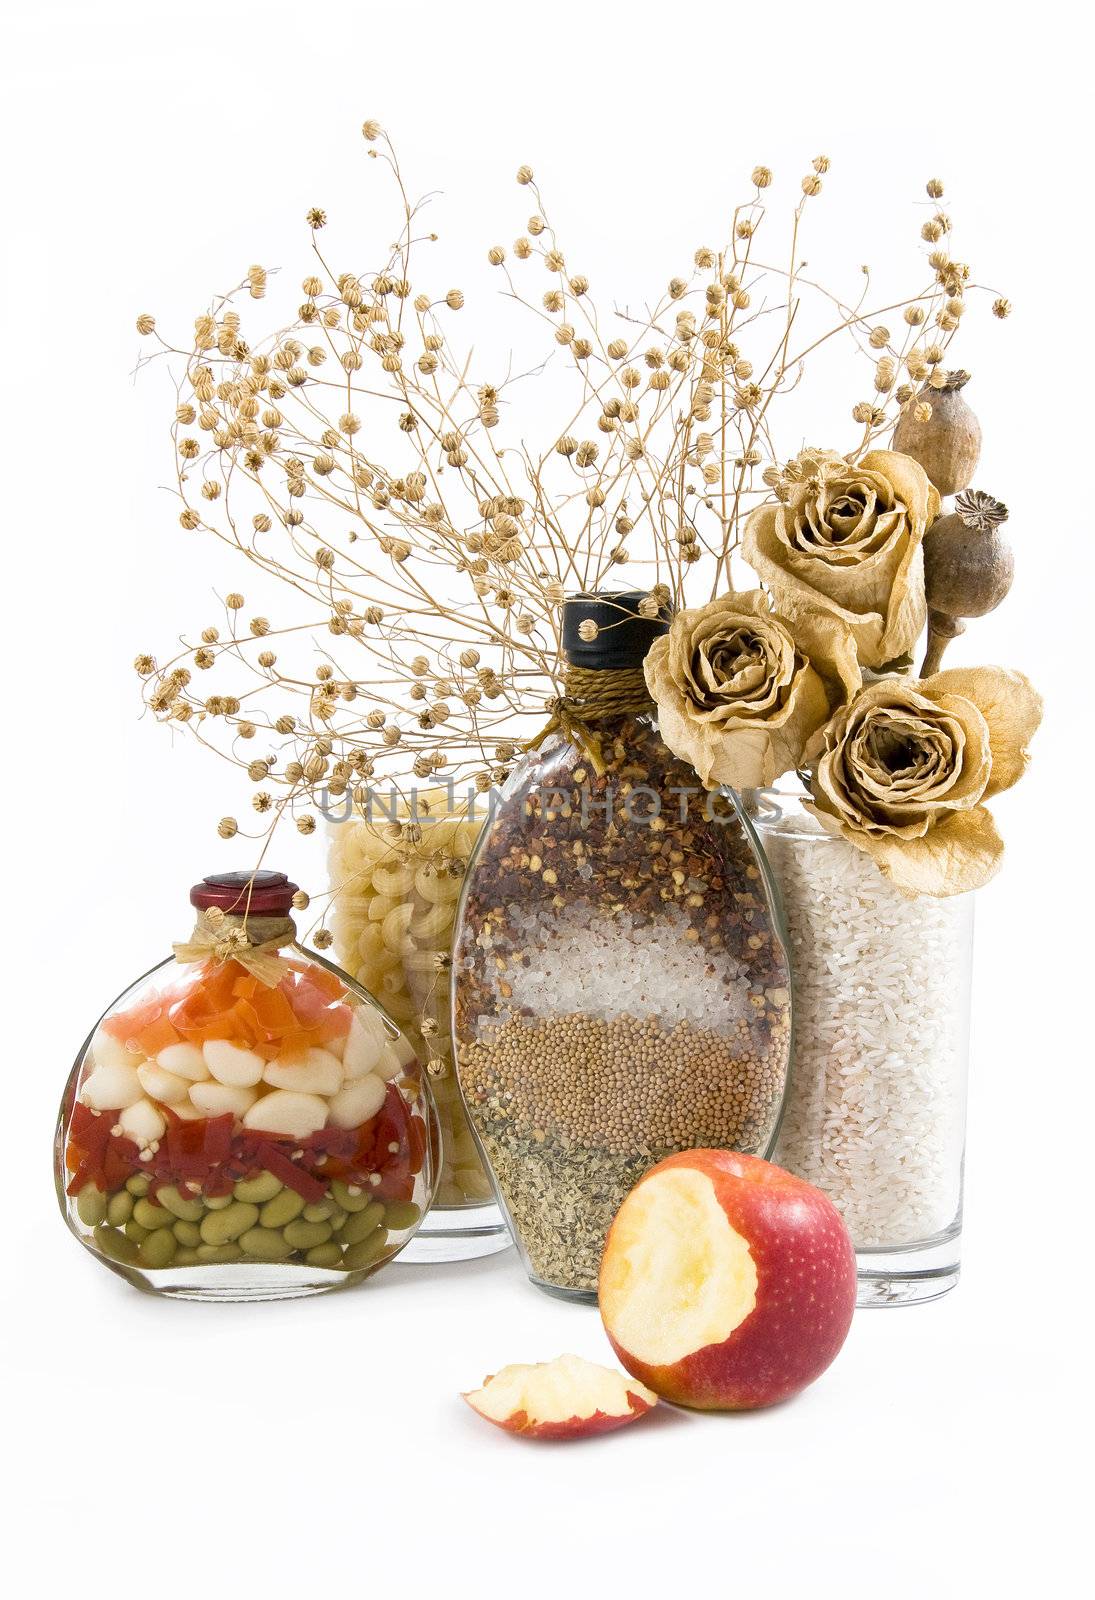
(232, 1064)
(387, 1064)
(358, 1102)
(143, 1122)
(112, 1088)
(317, 1072)
(215, 1099)
(108, 1050)
(363, 1043)
(159, 1084)
(185, 1060)
(283, 1111)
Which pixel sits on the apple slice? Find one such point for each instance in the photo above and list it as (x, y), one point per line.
(567, 1398)
(726, 1283)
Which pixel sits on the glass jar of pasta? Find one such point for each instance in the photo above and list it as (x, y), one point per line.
(396, 876)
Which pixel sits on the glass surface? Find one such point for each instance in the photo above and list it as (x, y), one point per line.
(220, 1138)
(876, 1107)
(621, 989)
(397, 891)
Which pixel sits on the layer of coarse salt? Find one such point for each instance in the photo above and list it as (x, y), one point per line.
(579, 963)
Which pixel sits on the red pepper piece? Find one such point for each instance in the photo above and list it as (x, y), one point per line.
(416, 1140)
(394, 1186)
(185, 1140)
(90, 1131)
(217, 1143)
(121, 1160)
(87, 1171)
(291, 1175)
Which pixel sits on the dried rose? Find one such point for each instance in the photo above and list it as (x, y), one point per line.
(739, 693)
(848, 539)
(903, 770)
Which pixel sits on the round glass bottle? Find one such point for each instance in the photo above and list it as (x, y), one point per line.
(244, 1122)
(876, 1109)
(621, 986)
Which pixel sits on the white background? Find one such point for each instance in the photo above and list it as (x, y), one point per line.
(151, 152)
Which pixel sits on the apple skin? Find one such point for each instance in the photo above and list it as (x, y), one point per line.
(573, 1427)
(805, 1296)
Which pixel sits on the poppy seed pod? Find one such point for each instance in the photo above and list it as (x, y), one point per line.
(948, 443)
(968, 568)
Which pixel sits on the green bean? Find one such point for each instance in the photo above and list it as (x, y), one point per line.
(284, 1207)
(188, 1234)
(264, 1186)
(222, 1227)
(117, 1246)
(119, 1208)
(217, 1202)
(219, 1252)
(91, 1206)
(401, 1214)
(324, 1255)
(188, 1208)
(318, 1213)
(349, 1201)
(360, 1226)
(337, 1217)
(159, 1248)
(134, 1231)
(139, 1183)
(366, 1251)
(185, 1257)
(151, 1216)
(304, 1235)
(265, 1243)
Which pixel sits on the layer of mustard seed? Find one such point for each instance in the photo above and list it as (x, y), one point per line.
(626, 1084)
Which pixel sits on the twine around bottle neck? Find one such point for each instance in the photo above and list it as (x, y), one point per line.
(252, 942)
(592, 696)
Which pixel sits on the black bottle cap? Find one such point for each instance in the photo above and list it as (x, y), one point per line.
(623, 636)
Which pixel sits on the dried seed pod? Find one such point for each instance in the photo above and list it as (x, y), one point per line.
(948, 444)
(968, 569)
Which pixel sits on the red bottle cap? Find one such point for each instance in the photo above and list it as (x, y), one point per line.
(261, 894)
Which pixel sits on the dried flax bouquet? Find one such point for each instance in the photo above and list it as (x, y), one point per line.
(425, 542)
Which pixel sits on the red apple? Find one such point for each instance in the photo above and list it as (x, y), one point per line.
(567, 1398)
(726, 1283)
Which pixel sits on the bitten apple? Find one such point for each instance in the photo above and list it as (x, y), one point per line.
(726, 1283)
(567, 1398)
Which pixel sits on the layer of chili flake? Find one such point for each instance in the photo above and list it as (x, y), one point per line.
(214, 1153)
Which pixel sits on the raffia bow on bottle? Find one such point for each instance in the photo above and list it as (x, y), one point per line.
(253, 942)
(592, 696)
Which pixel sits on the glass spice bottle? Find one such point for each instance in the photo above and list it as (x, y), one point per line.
(621, 985)
(245, 1122)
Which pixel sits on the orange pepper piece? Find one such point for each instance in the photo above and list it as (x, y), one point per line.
(157, 1036)
(335, 1023)
(129, 1024)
